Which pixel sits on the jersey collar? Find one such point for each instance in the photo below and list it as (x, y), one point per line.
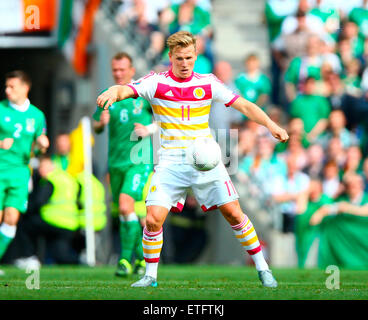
(22, 108)
(171, 74)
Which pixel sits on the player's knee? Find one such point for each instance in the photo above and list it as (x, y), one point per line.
(126, 206)
(11, 218)
(124, 209)
(233, 213)
(153, 224)
(154, 220)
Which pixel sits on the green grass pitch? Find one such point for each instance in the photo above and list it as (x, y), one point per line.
(180, 282)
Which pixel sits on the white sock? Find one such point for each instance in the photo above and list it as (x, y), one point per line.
(129, 217)
(151, 269)
(260, 261)
(7, 230)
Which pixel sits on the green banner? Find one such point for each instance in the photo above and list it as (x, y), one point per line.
(344, 242)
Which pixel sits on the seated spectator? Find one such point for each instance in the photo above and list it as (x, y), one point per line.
(305, 234)
(329, 56)
(191, 17)
(147, 17)
(344, 51)
(353, 162)
(295, 148)
(290, 192)
(288, 46)
(330, 17)
(253, 84)
(353, 202)
(312, 109)
(324, 86)
(315, 161)
(263, 165)
(296, 129)
(331, 183)
(350, 32)
(313, 22)
(275, 13)
(351, 78)
(337, 128)
(337, 92)
(55, 216)
(359, 15)
(303, 67)
(336, 152)
(144, 14)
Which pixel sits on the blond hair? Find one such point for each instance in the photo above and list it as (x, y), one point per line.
(182, 39)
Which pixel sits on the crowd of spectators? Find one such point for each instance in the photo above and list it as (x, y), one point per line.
(156, 20)
(318, 54)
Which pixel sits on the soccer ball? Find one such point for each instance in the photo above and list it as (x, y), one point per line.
(204, 154)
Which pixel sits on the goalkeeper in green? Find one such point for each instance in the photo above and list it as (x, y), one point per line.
(22, 126)
(129, 162)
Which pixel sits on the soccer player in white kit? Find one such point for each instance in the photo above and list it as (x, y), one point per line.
(181, 102)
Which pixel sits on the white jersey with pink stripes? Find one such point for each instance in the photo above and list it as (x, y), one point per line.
(181, 107)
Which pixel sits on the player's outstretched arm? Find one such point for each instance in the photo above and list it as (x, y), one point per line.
(255, 113)
(113, 94)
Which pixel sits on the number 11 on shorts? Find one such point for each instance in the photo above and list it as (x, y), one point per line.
(228, 184)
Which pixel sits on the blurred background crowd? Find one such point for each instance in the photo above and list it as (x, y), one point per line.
(314, 83)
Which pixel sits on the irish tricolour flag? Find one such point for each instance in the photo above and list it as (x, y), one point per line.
(75, 30)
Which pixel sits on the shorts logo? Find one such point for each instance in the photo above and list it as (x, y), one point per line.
(198, 93)
(153, 188)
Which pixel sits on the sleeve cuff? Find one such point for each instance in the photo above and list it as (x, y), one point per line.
(232, 101)
(135, 91)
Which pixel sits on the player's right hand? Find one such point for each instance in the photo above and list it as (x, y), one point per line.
(6, 143)
(107, 98)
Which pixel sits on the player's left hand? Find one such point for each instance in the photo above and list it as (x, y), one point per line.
(279, 133)
(141, 130)
(43, 143)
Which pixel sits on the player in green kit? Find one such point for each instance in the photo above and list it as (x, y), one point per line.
(129, 162)
(22, 126)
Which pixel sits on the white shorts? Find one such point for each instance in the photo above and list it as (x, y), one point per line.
(171, 182)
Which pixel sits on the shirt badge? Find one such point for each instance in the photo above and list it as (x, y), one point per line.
(198, 93)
